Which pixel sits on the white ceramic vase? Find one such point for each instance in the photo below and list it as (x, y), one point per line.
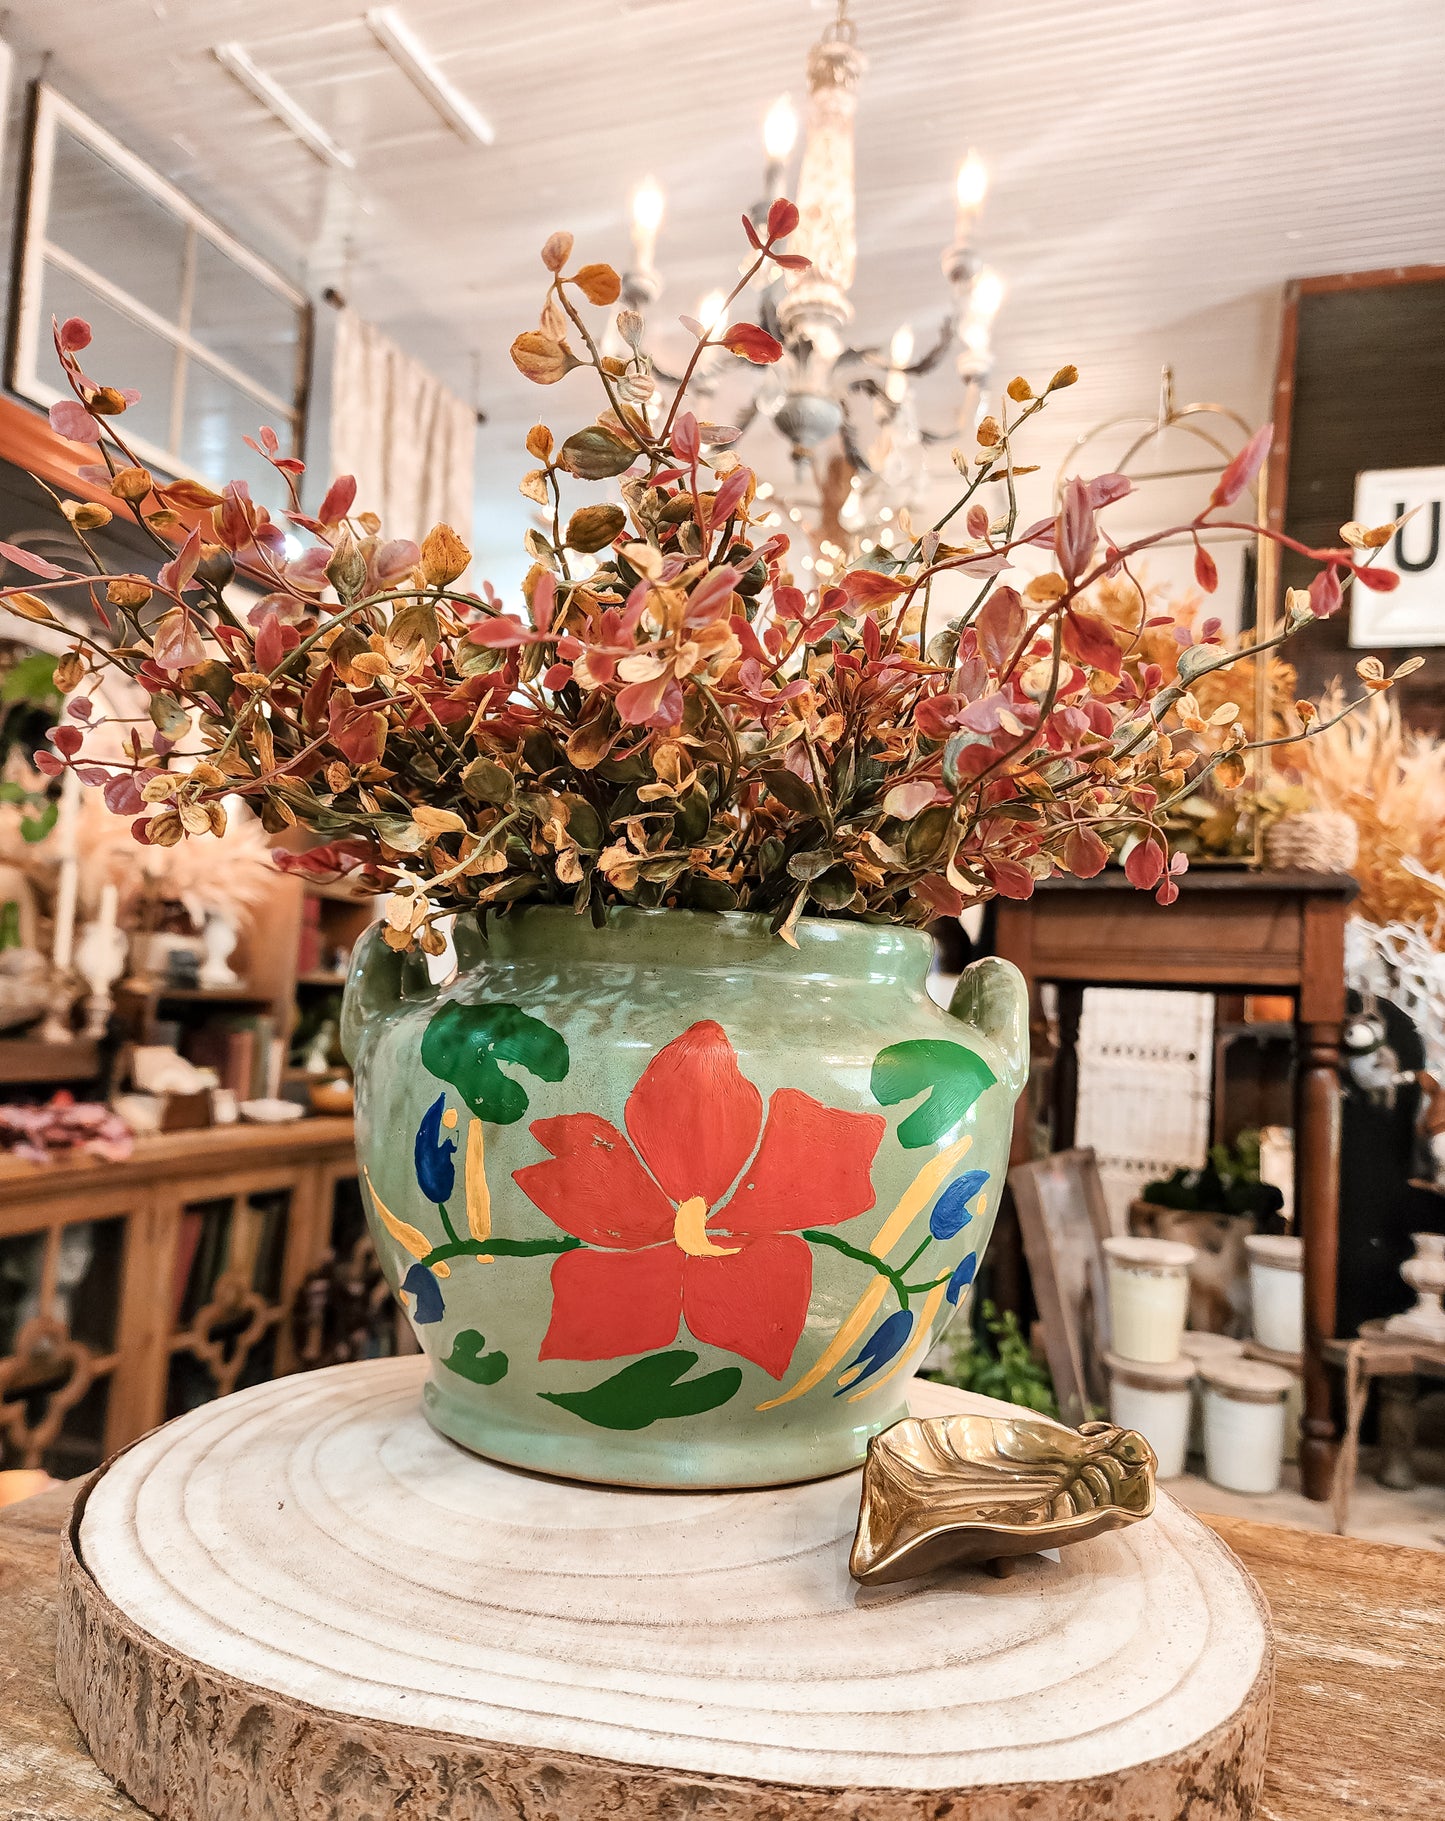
(1425, 1274)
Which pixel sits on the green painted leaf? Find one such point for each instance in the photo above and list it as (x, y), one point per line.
(464, 1044)
(952, 1076)
(468, 1361)
(648, 1391)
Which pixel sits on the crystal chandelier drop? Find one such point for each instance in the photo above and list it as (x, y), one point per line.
(849, 415)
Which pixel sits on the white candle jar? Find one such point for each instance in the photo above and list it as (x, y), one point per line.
(1277, 1290)
(1156, 1401)
(1148, 1297)
(1244, 1423)
(1199, 1347)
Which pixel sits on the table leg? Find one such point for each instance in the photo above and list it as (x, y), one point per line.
(1065, 1091)
(1317, 1199)
(1357, 1395)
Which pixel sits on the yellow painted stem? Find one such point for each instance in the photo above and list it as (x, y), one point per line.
(415, 1241)
(916, 1197)
(479, 1196)
(852, 1327)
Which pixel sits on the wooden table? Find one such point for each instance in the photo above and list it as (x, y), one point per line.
(1378, 1355)
(1230, 932)
(1359, 1632)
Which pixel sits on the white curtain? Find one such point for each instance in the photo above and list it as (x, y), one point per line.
(410, 442)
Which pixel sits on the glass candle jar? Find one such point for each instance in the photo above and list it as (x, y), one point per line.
(1156, 1401)
(1244, 1422)
(1148, 1296)
(1277, 1290)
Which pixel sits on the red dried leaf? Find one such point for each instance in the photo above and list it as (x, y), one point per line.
(1085, 854)
(867, 588)
(73, 422)
(37, 565)
(1104, 489)
(1145, 865)
(1009, 878)
(1326, 595)
(1090, 641)
(782, 219)
(1383, 581)
(1075, 533)
(749, 342)
(1206, 571)
(177, 574)
(1001, 624)
(686, 442)
(340, 498)
(73, 335)
(1242, 470)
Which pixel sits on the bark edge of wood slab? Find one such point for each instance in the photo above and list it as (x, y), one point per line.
(192, 1741)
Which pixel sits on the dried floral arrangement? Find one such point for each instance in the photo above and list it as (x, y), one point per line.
(1390, 782)
(666, 717)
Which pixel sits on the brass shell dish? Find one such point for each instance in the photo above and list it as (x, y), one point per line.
(947, 1489)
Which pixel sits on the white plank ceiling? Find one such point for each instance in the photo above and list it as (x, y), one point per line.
(1160, 167)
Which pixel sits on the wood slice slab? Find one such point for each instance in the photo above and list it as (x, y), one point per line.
(302, 1602)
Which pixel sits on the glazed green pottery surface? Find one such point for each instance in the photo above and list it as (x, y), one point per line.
(669, 1202)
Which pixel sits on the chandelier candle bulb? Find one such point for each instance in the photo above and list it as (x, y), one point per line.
(780, 135)
(647, 211)
(1148, 1296)
(972, 188)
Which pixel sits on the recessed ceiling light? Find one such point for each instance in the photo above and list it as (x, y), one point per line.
(290, 113)
(420, 68)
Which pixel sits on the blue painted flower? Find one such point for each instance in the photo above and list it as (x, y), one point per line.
(962, 1277)
(884, 1343)
(950, 1212)
(421, 1284)
(435, 1170)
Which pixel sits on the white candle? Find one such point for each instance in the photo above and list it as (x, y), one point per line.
(109, 914)
(780, 133)
(972, 188)
(67, 828)
(647, 205)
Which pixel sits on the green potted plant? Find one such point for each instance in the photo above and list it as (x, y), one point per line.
(682, 1172)
(1214, 1209)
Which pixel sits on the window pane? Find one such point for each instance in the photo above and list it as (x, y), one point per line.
(217, 415)
(120, 231)
(245, 322)
(122, 354)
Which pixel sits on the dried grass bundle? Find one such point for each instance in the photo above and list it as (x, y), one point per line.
(1390, 781)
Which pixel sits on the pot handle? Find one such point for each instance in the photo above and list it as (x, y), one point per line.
(993, 996)
(379, 982)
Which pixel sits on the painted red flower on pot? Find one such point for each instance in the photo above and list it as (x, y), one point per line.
(697, 1219)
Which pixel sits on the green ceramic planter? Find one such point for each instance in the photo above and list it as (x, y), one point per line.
(669, 1203)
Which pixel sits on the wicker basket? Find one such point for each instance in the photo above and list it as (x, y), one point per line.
(1312, 841)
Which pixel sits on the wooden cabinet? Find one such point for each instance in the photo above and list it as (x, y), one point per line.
(131, 1292)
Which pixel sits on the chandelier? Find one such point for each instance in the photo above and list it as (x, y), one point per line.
(849, 416)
